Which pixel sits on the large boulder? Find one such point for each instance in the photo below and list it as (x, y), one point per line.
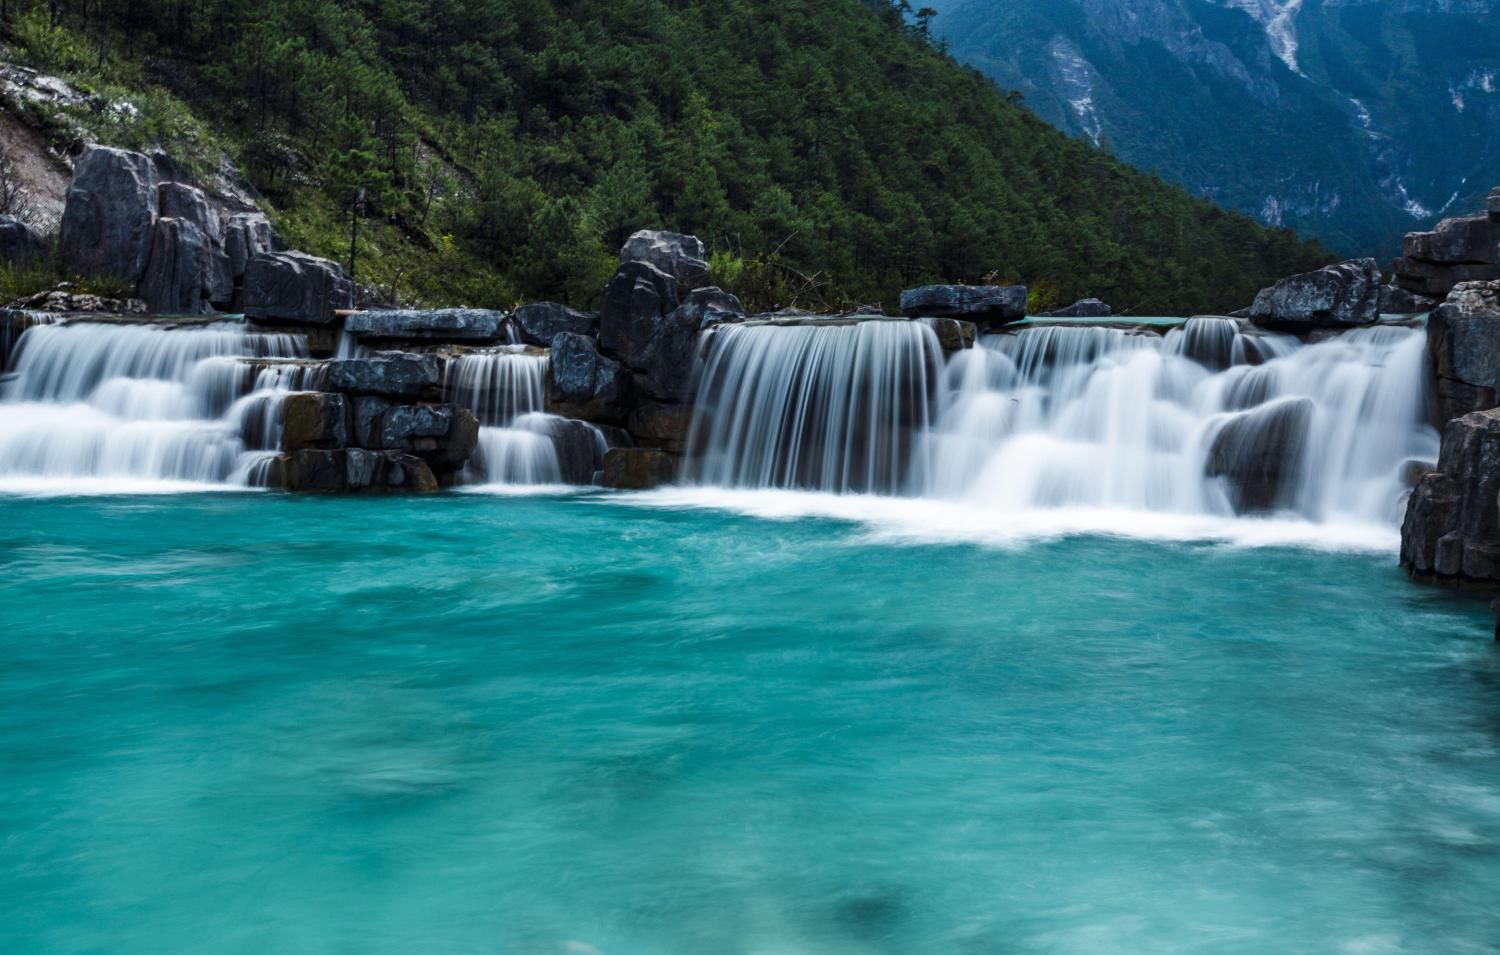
(1259, 454)
(443, 435)
(661, 426)
(1083, 308)
(1336, 296)
(314, 420)
(984, 305)
(20, 244)
(297, 288)
(391, 374)
(1463, 344)
(178, 269)
(442, 324)
(1451, 532)
(635, 300)
(671, 351)
(178, 200)
(581, 383)
(680, 256)
(108, 215)
(639, 469)
(1395, 300)
(246, 235)
(1458, 250)
(541, 322)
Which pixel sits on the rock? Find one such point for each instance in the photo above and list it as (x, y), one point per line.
(635, 300)
(638, 469)
(1337, 296)
(1493, 205)
(984, 305)
(581, 383)
(365, 415)
(314, 420)
(110, 210)
(953, 335)
(64, 300)
(1259, 453)
(1451, 532)
(246, 235)
(444, 436)
(177, 270)
(580, 450)
(671, 352)
(1463, 345)
(680, 256)
(404, 472)
(1083, 308)
(442, 324)
(1395, 300)
(312, 470)
(1467, 239)
(295, 287)
(178, 200)
(20, 244)
(662, 426)
(541, 322)
(389, 374)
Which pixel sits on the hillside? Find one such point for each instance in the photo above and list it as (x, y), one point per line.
(504, 148)
(1351, 120)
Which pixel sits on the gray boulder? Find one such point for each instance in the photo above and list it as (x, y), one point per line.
(680, 256)
(296, 287)
(443, 435)
(1395, 300)
(246, 235)
(984, 305)
(108, 215)
(178, 200)
(1458, 250)
(387, 471)
(1337, 296)
(636, 298)
(671, 351)
(639, 469)
(1463, 344)
(20, 244)
(1450, 533)
(580, 450)
(443, 324)
(581, 383)
(1259, 454)
(177, 270)
(541, 322)
(365, 413)
(391, 374)
(1084, 308)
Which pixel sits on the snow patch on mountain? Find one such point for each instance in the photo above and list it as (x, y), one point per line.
(1279, 19)
(1076, 82)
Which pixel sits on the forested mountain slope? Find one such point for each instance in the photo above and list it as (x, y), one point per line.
(826, 152)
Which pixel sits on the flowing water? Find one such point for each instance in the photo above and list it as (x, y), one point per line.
(249, 723)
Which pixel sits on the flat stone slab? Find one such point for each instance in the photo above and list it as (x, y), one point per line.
(441, 324)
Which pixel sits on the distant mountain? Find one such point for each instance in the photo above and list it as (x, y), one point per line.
(1351, 120)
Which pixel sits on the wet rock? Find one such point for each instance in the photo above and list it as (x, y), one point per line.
(953, 335)
(654, 424)
(580, 450)
(20, 244)
(638, 469)
(314, 420)
(1451, 532)
(680, 256)
(365, 415)
(671, 353)
(295, 287)
(404, 472)
(311, 471)
(541, 322)
(984, 305)
(1083, 308)
(177, 270)
(1395, 300)
(110, 210)
(426, 325)
(389, 374)
(1337, 296)
(1259, 454)
(635, 300)
(1463, 344)
(444, 436)
(581, 383)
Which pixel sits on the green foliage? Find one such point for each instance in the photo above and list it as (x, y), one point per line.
(825, 151)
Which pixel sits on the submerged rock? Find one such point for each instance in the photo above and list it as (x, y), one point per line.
(297, 288)
(390, 374)
(541, 322)
(581, 383)
(639, 469)
(1463, 342)
(680, 256)
(1451, 533)
(984, 305)
(442, 324)
(109, 214)
(1337, 296)
(1259, 454)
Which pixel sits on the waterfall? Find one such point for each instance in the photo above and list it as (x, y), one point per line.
(506, 390)
(1211, 419)
(822, 406)
(136, 403)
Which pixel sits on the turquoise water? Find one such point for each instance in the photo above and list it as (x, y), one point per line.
(250, 724)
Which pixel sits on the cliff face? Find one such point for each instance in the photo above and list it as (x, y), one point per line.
(1353, 120)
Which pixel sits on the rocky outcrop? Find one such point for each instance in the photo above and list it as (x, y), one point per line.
(1083, 308)
(1451, 533)
(20, 244)
(178, 200)
(1395, 300)
(177, 272)
(442, 324)
(389, 374)
(246, 235)
(580, 450)
(680, 256)
(539, 323)
(109, 215)
(582, 383)
(443, 435)
(662, 426)
(1337, 296)
(295, 288)
(671, 351)
(314, 420)
(636, 299)
(1463, 344)
(1457, 250)
(984, 305)
(638, 469)
(1259, 454)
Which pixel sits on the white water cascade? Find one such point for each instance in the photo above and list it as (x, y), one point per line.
(1210, 419)
(132, 405)
(506, 390)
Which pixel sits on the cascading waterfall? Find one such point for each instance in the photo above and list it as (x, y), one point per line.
(506, 388)
(824, 406)
(152, 403)
(1210, 419)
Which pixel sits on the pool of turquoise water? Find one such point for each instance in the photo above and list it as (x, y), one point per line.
(251, 724)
